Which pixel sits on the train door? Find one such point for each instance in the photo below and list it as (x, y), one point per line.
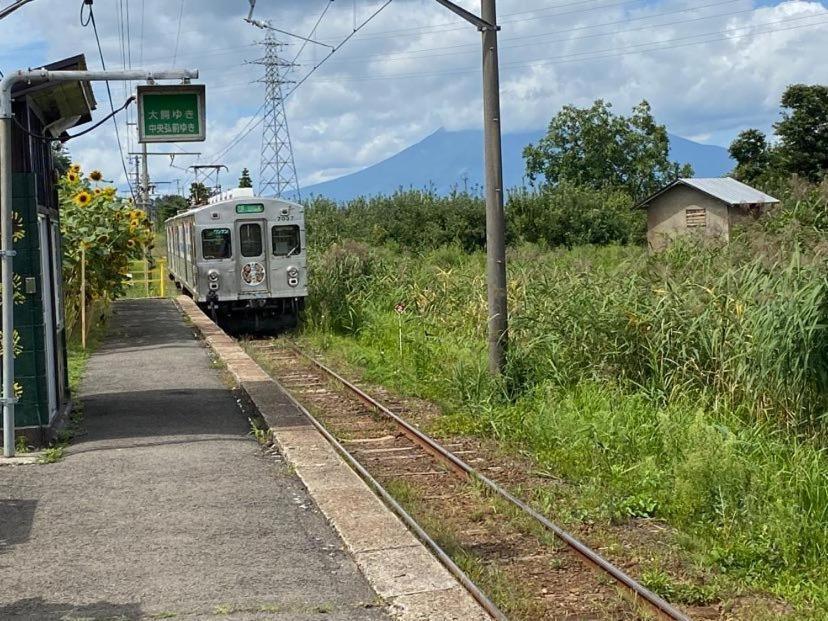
(252, 259)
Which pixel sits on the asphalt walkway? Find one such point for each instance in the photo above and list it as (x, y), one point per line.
(166, 507)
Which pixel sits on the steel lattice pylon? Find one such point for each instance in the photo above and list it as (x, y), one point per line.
(277, 172)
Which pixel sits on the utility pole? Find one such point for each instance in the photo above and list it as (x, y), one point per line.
(495, 215)
(144, 179)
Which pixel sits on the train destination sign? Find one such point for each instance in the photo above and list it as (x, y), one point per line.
(250, 208)
(171, 113)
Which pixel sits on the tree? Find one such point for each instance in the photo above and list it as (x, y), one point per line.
(592, 147)
(245, 181)
(169, 205)
(752, 153)
(199, 194)
(803, 131)
(60, 159)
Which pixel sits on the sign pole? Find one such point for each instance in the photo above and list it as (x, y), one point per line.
(6, 242)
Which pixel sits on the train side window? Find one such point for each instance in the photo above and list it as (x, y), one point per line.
(215, 244)
(286, 240)
(250, 240)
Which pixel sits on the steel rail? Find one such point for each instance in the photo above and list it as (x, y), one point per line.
(640, 593)
(481, 598)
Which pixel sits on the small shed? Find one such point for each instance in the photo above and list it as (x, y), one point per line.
(40, 110)
(708, 207)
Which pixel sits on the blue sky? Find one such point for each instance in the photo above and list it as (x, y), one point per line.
(709, 68)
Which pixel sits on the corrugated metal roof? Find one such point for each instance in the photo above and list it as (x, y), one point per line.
(729, 191)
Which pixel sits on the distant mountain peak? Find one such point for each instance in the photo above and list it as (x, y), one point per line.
(447, 160)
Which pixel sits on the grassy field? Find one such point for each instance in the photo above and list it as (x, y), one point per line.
(687, 388)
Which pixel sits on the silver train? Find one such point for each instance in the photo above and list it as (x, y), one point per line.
(242, 258)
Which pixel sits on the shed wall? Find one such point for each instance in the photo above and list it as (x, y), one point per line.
(667, 216)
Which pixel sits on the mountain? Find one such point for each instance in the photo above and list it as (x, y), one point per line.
(446, 160)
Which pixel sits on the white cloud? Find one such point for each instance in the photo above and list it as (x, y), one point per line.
(708, 68)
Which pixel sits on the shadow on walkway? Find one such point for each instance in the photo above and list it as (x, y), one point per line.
(42, 610)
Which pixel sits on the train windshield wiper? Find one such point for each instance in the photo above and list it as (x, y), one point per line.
(292, 250)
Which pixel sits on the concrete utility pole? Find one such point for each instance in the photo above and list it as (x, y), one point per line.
(144, 180)
(495, 216)
(7, 251)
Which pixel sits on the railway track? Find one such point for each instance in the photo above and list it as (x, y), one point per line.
(551, 573)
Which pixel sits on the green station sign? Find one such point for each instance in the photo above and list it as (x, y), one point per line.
(171, 113)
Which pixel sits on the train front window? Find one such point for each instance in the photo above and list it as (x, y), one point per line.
(286, 241)
(215, 244)
(250, 240)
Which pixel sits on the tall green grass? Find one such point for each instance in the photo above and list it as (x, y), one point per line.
(690, 386)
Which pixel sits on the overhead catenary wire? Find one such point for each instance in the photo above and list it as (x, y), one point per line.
(666, 44)
(412, 54)
(337, 48)
(304, 79)
(302, 47)
(416, 54)
(91, 20)
(655, 46)
(178, 32)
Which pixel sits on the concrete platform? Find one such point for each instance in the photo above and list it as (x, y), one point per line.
(166, 507)
(399, 568)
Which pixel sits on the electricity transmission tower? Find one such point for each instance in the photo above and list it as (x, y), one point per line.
(277, 172)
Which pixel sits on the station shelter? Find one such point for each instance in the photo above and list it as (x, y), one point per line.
(41, 110)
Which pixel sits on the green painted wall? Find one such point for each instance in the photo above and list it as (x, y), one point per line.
(30, 365)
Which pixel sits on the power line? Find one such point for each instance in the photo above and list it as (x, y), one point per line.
(415, 54)
(337, 48)
(244, 134)
(411, 53)
(328, 5)
(141, 50)
(178, 35)
(452, 26)
(91, 19)
(617, 52)
(599, 54)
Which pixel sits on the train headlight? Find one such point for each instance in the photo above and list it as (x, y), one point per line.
(213, 277)
(293, 276)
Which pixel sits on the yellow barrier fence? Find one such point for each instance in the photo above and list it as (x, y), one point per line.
(147, 279)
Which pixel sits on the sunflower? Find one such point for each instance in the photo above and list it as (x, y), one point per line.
(97, 191)
(72, 176)
(130, 243)
(102, 239)
(134, 224)
(109, 192)
(75, 168)
(96, 175)
(82, 198)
